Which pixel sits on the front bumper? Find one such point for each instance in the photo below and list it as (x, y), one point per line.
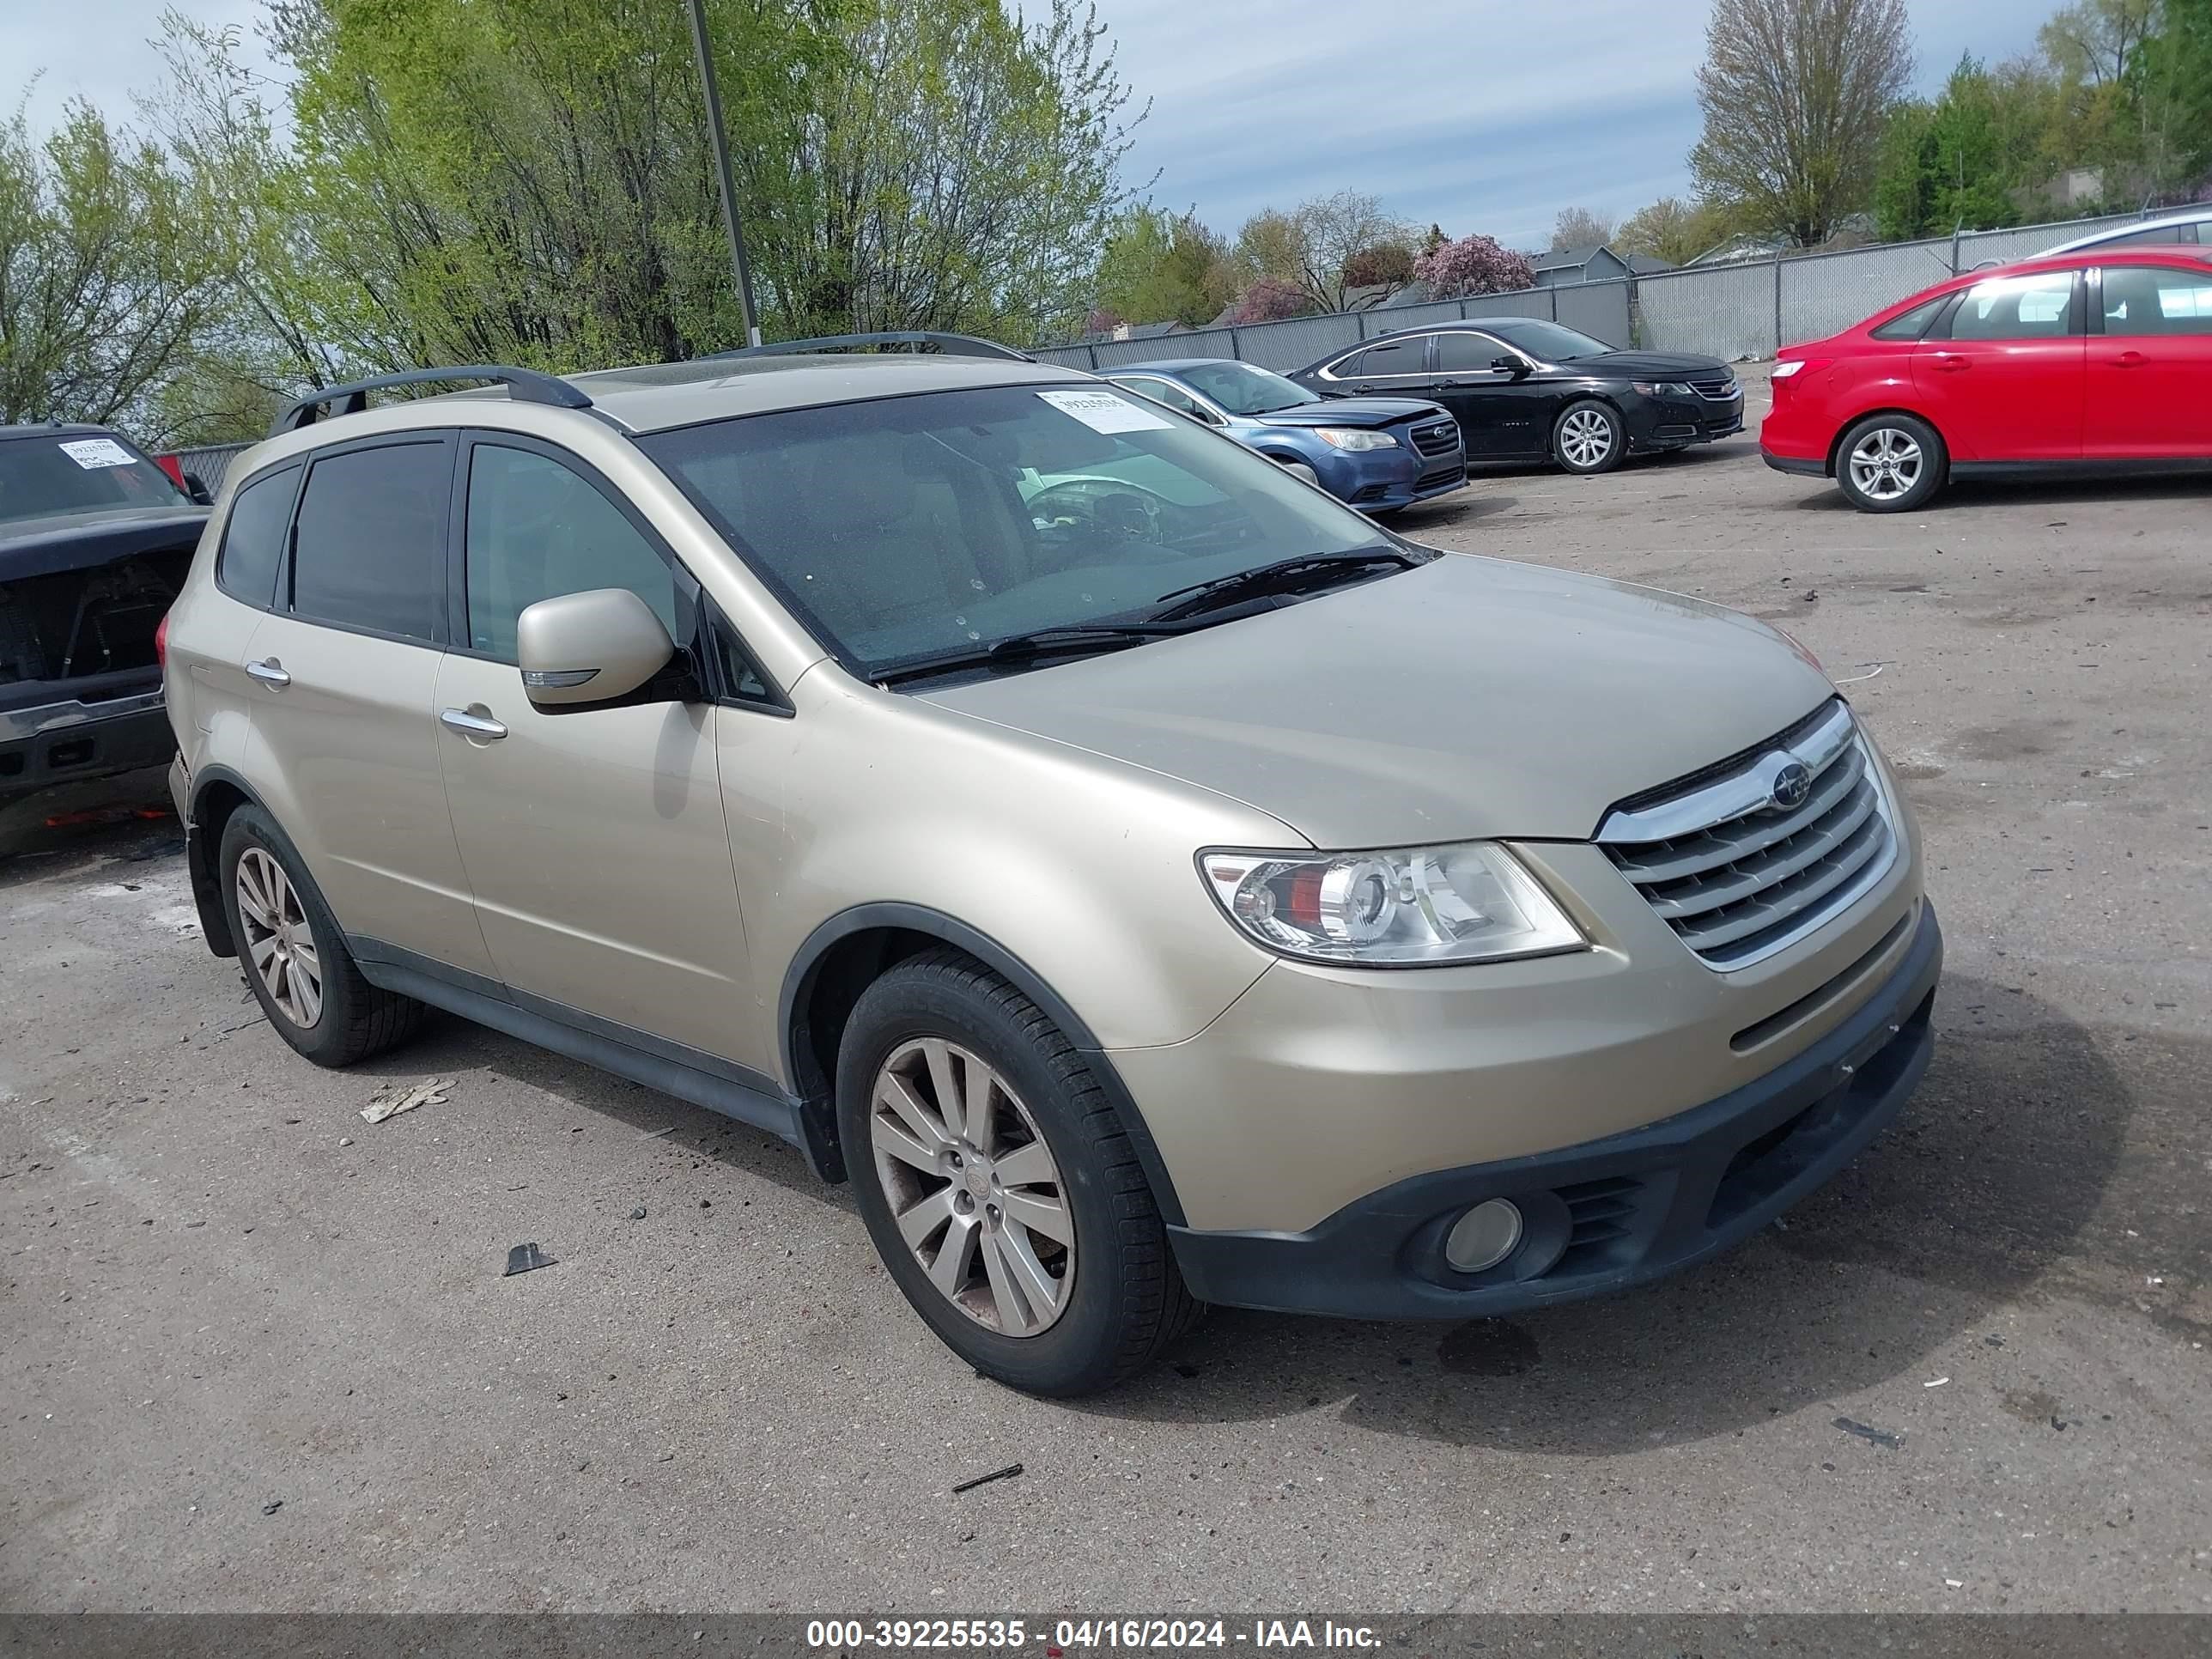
(75, 742)
(1676, 423)
(1383, 480)
(1612, 1213)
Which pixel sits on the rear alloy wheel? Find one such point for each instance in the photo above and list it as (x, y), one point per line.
(1889, 464)
(278, 942)
(1589, 438)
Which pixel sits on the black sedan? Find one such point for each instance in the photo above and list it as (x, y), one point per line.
(1527, 390)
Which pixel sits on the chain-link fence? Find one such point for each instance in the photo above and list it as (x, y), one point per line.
(1730, 311)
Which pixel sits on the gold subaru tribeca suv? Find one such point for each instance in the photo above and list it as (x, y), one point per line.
(1149, 881)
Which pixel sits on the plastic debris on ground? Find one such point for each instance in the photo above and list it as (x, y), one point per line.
(395, 1098)
(1006, 1473)
(523, 1258)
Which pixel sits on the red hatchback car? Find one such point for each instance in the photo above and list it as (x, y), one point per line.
(2098, 358)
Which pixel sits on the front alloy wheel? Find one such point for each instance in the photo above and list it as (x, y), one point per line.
(279, 941)
(1589, 438)
(973, 1187)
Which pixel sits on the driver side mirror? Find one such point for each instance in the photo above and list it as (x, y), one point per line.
(196, 487)
(1514, 366)
(589, 650)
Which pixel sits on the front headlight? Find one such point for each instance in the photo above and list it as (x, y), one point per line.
(1664, 388)
(1412, 906)
(1352, 437)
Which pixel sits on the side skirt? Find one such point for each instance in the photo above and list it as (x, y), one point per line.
(673, 1069)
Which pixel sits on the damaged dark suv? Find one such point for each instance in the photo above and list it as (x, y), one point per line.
(95, 542)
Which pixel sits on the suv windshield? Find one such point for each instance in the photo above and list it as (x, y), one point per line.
(1550, 343)
(916, 527)
(1243, 390)
(77, 472)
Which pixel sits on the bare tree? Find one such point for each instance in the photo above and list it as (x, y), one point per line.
(1795, 94)
(1582, 227)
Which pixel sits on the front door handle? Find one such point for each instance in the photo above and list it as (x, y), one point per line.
(2129, 360)
(482, 727)
(269, 672)
(1951, 363)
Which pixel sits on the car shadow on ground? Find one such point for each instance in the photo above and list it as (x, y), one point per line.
(1973, 1198)
(1972, 494)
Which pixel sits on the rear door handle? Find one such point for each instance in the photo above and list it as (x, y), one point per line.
(269, 672)
(480, 726)
(1952, 363)
(2129, 360)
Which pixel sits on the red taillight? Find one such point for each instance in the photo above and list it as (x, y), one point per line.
(173, 467)
(162, 641)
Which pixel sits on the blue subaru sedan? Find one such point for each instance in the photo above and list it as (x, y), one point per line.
(1375, 453)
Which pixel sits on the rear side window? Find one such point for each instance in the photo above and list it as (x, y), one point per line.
(1910, 324)
(253, 539)
(2017, 308)
(2157, 299)
(368, 552)
(537, 530)
(2165, 236)
(1394, 357)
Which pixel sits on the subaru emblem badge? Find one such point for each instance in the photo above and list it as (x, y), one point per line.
(1792, 784)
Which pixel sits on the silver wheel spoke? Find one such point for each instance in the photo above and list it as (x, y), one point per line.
(1040, 1214)
(264, 949)
(307, 992)
(944, 1079)
(979, 1110)
(1039, 1290)
(1015, 1318)
(893, 1091)
(1029, 1166)
(919, 1225)
(956, 1256)
(890, 1138)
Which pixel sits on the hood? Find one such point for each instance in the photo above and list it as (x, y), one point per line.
(1352, 411)
(80, 541)
(1652, 366)
(1468, 698)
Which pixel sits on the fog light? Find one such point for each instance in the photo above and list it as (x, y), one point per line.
(1485, 1236)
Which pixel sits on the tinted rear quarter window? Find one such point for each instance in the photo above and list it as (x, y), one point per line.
(253, 537)
(1397, 357)
(369, 550)
(1912, 324)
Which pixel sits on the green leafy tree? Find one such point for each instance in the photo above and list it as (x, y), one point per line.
(1160, 267)
(1951, 163)
(105, 279)
(1795, 94)
(1675, 230)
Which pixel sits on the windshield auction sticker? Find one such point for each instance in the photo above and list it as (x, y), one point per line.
(1104, 411)
(92, 452)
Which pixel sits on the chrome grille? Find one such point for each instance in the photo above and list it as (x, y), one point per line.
(1738, 878)
(1437, 438)
(1715, 391)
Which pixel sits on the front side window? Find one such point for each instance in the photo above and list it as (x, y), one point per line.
(44, 476)
(2017, 308)
(368, 548)
(538, 529)
(1462, 353)
(2157, 299)
(905, 529)
(1547, 342)
(254, 539)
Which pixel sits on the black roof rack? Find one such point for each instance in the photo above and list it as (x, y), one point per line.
(523, 385)
(951, 346)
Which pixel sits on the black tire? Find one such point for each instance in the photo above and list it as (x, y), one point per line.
(1616, 446)
(1128, 1302)
(356, 1018)
(1933, 464)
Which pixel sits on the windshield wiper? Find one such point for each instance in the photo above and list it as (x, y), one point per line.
(1283, 576)
(1070, 639)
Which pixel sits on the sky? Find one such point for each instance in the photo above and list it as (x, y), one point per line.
(1488, 115)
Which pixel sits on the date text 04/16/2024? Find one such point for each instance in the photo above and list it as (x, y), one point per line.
(1087, 1636)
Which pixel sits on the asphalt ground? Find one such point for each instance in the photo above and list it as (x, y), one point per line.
(259, 1354)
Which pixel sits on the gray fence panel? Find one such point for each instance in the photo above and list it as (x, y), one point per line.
(1073, 357)
(1525, 302)
(1720, 311)
(1421, 316)
(211, 462)
(1599, 309)
(1293, 344)
(1979, 246)
(1823, 294)
(1200, 342)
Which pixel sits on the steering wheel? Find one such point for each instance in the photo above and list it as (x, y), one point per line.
(1128, 515)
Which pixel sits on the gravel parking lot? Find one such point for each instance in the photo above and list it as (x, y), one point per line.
(259, 1354)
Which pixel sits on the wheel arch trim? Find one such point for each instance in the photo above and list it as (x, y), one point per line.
(800, 977)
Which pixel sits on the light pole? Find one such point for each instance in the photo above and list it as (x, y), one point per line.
(721, 141)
